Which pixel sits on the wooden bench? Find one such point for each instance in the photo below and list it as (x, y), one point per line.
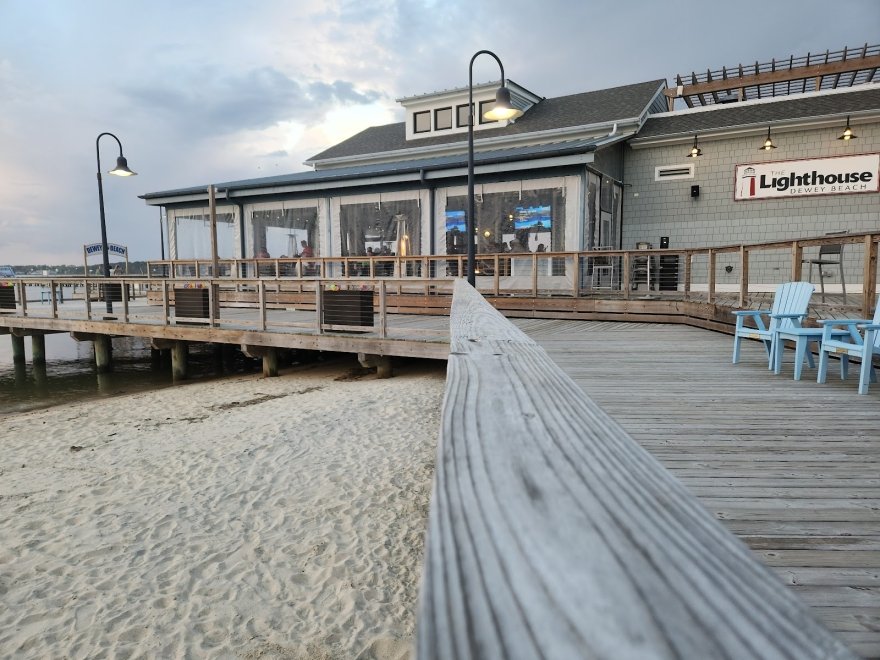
(553, 534)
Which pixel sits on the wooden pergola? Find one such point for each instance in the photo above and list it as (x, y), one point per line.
(810, 73)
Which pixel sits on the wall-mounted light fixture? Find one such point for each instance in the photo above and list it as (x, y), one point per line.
(695, 150)
(768, 143)
(847, 132)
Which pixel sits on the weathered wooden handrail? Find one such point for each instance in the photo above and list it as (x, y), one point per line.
(553, 534)
(419, 267)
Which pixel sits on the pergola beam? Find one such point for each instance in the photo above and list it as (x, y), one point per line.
(817, 71)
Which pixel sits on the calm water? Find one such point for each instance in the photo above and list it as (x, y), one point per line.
(70, 374)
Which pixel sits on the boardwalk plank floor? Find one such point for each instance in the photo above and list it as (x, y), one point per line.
(791, 467)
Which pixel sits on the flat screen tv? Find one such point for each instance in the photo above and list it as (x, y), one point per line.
(456, 220)
(536, 218)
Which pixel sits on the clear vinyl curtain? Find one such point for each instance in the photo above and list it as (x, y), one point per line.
(281, 232)
(531, 221)
(389, 228)
(192, 234)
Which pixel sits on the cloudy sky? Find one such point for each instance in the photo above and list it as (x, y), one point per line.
(210, 91)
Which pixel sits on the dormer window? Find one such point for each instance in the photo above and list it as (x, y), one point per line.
(446, 114)
(485, 106)
(422, 122)
(442, 119)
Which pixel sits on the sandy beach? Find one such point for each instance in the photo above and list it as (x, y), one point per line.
(247, 517)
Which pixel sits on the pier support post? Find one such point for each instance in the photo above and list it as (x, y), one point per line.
(38, 349)
(381, 362)
(17, 348)
(179, 353)
(270, 362)
(269, 355)
(103, 353)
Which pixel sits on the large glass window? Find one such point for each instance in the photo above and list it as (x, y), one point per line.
(389, 228)
(531, 221)
(485, 106)
(192, 234)
(281, 232)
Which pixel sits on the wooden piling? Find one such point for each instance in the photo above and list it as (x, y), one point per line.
(103, 353)
(17, 348)
(179, 352)
(38, 349)
(270, 362)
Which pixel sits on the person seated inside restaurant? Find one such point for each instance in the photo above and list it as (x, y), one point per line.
(306, 252)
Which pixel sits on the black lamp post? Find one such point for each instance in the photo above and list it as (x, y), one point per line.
(501, 110)
(121, 169)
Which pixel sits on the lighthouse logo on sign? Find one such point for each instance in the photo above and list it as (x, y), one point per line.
(747, 183)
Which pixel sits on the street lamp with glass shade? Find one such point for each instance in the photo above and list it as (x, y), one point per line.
(502, 110)
(121, 169)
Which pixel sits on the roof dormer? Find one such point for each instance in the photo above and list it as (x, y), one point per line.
(446, 112)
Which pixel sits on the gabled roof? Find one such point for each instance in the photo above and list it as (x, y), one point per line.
(604, 106)
(789, 109)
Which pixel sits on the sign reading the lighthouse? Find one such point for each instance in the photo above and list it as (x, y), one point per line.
(801, 178)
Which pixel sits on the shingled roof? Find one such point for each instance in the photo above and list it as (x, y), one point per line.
(760, 113)
(604, 106)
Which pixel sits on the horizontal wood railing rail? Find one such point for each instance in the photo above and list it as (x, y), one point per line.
(265, 292)
(553, 534)
(550, 273)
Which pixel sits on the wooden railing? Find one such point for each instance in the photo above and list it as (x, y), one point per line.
(270, 304)
(698, 274)
(553, 534)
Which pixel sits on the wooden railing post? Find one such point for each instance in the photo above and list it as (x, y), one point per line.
(687, 274)
(383, 311)
(319, 304)
(797, 261)
(743, 276)
(534, 275)
(124, 286)
(626, 276)
(261, 293)
(22, 297)
(869, 286)
(166, 304)
(710, 286)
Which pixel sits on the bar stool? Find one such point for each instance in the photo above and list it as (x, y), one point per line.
(603, 270)
(829, 255)
(641, 268)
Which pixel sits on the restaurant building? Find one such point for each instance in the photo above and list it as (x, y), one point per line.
(612, 168)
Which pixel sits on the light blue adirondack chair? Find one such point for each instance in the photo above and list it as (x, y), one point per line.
(856, 345)
(789, 308)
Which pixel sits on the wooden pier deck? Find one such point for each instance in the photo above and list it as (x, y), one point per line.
(792, 468)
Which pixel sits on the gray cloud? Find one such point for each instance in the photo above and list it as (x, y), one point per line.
(212, 102)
